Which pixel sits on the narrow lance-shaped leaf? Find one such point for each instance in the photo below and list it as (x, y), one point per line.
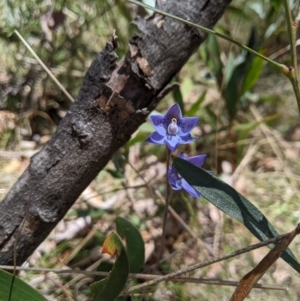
(214, 58)
(109, 288)
(196, 106)
(253, 74)
(232, 203)
(177, 95)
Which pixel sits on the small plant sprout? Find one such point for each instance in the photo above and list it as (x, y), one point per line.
(177, 182)
(172, 129)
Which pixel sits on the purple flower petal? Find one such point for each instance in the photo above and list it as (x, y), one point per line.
(188, 188)
(172, 142)
(177, 182)
(186, 139)
(160, 123)
(174, 112)
(156, 138)
(182, 156)
(174, 179)
(171, 129)
(187, 124)
(197, 160)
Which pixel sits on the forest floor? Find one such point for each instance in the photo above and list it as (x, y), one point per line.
(268, 175)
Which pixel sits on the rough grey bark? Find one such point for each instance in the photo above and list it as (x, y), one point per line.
(113, 102)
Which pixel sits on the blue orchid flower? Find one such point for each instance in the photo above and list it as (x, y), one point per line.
(177, 182)
(172, 129)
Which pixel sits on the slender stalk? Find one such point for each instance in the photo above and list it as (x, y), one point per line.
(293, 71)
(207, 30)
(143, 276)
(168, 198)
(203, 264)
(44, 66)
(292, 29)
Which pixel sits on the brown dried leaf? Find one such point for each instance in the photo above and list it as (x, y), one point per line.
(250, 279)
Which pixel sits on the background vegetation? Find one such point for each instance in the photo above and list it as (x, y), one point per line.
(249, 129)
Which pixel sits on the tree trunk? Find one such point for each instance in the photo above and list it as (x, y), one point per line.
(113, 102)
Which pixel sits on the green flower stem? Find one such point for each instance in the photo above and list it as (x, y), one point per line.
(168, 198)
(293, 72)
(207, 30)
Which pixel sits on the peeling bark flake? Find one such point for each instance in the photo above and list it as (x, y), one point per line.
(133, 50)
(116, 105)
(144, 66)
(160, 23)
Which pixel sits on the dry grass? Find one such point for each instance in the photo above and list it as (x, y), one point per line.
(273, 187)
(268, 175)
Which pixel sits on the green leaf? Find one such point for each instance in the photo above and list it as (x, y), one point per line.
(186, 88)
(104, 266)
(276, 4)
(230, 66)
(177, 95)
(236, 70)
(231, 94)
(21, 291)
(245, 128)
(232, 203)
(134, 243)
(253, 74)
(114, 173)
(140, 137)
(214, 58)
(109, 288)
(195, 107)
